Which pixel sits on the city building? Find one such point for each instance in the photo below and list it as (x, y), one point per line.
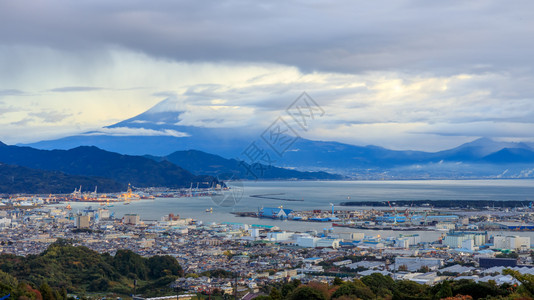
(487, 262)
(307, 241)
(83, 221)
(514, 242)
(275, 213)
(131, 219)
(455, 239)
(328, 243)
(416, 263)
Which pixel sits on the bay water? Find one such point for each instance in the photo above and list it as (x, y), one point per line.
(311, 195)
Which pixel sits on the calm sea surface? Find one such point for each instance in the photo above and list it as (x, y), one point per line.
(319, 195)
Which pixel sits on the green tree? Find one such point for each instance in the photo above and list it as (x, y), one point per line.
(290, 287)
(275, 294)
(287, 289)
(130, 264)
(25, 291)
(382, 286)
(306, 293)
(7, 279)
(409, 290)
(478, 290)
(47, 292)
(164, 265)
(403, 268)
(63, 267)
(356, 288)
(218, 273)
(527, 280)
(99, 285)
(63, 293)
(338, 281)
(444, 290)
(507, 255)
(8, 283)
(424, 269)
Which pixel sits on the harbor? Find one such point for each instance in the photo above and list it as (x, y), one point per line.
(413, 218)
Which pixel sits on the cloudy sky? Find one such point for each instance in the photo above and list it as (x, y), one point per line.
(423, 75)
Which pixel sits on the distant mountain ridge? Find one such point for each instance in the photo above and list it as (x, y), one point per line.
(17, 179)
(510, 155)
(479, 149)
(92, 161)
(160, 131)
(90, 166)
(204, 163)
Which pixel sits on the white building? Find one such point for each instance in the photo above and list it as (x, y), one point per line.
(405, 241)
(414, 239)
(278, 236)
(5, 222)
(402, 243)
(514, 242)
(371, 265)
(499, 242)
(416, 263)
(310, 269)
(131, 219)
(370, 245)
(254, 233)
(401, 252)
(104, 213)
(456, 239)
(351, 236)
(307, 241)
(312, 260)
(328, 243)
(315, 242)
(342, 263)
(445, 226)
(468, 244)
(520, 243)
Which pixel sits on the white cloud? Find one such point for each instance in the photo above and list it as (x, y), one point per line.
(126, 131)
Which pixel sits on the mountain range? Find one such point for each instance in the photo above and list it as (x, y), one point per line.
(60, 171)
(22, 180)
(159, 131)
(200, 162)
(94, 162)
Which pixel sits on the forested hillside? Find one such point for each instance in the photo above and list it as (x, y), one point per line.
(65, 268)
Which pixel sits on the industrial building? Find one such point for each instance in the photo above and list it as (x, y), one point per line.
(131, 219)
(455, 239)
(487, 262)
(82, 221)
(275, 213)
(513, 242)
(416, 263)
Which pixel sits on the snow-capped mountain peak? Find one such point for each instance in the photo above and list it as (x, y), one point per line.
(171, 104)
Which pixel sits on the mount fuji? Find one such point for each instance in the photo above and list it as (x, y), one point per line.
(159, 132)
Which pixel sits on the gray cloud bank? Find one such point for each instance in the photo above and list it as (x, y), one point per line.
(343, 36)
